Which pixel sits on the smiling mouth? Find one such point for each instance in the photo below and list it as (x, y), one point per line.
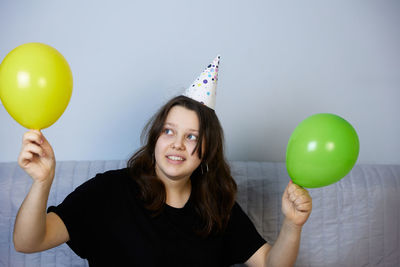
(175, 158)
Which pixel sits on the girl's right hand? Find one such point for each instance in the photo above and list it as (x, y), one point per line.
(37, 156)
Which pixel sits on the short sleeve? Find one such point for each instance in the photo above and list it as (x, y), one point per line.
(241, 239)
(79, 212)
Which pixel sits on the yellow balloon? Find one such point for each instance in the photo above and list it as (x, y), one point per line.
(35, 85)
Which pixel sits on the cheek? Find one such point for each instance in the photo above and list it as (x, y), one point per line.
(160, 145)
(195, 155)
(190, 146)
(203, 150)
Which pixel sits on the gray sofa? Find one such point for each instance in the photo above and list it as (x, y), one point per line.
(355, 222)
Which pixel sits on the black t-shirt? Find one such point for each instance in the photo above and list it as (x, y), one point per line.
(109, 226)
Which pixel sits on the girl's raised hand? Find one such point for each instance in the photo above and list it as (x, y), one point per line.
(296, 204)
(37, 156)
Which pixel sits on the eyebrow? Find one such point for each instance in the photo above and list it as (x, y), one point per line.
(174, 125)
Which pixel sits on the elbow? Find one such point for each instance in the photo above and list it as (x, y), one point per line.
(20, 247)
(17, 246)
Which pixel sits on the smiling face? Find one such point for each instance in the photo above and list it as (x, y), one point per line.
(174, 155)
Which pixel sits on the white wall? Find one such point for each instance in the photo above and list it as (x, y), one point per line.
(281, 61)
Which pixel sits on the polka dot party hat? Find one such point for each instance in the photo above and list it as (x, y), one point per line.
(204, 88)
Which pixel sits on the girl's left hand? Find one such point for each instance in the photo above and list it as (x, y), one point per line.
(296, 204)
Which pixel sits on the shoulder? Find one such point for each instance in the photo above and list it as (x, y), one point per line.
(111, 175)
(237, 210)
(235, 216)
(106, 180)
(115, 174)
(123, 172)
(238, 219)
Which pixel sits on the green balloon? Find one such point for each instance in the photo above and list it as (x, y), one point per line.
(321, 150)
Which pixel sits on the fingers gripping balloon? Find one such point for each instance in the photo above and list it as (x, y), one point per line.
(322, 150)
(35, 85)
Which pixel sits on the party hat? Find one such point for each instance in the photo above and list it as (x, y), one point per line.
(204, 88)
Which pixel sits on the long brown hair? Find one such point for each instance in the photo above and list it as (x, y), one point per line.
(213, 190)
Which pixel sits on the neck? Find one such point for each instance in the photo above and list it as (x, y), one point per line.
(177, 192)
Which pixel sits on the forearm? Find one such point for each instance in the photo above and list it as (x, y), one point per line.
(284, 251)
(30, 223)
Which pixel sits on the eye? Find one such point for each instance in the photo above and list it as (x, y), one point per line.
(192, 137)
(167, 131)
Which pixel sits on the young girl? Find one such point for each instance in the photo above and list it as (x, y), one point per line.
(173, 205)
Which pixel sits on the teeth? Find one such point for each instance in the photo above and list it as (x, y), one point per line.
(175, 158)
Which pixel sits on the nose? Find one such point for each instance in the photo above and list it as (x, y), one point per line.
(178, 144)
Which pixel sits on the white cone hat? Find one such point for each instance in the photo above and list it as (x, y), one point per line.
(204, 88)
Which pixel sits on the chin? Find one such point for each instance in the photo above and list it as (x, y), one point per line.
(175, 176)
